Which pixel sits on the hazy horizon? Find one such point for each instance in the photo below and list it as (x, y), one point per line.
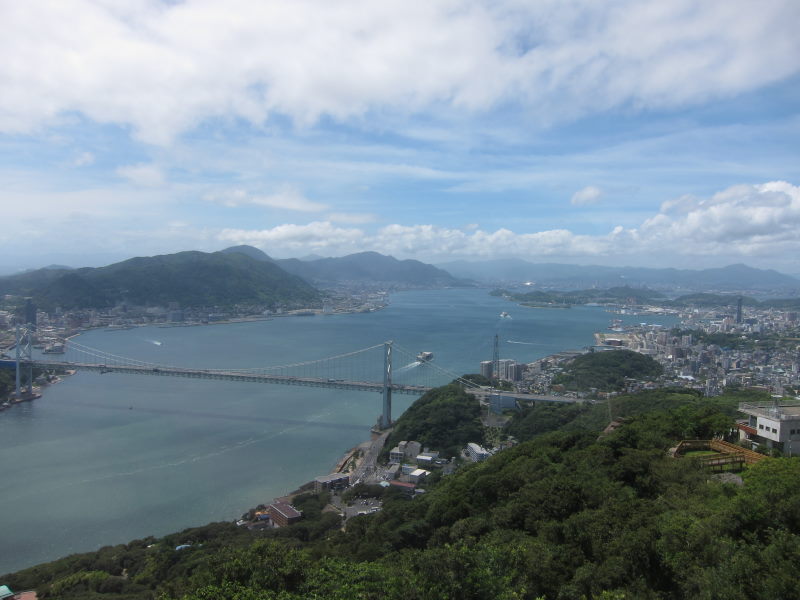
(441, 264)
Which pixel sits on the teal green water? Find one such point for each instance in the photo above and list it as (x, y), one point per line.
(103, 459)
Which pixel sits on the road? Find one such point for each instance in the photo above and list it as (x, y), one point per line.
(484, 395)
(367, 464)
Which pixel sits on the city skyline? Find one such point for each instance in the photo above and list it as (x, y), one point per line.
(638, 134)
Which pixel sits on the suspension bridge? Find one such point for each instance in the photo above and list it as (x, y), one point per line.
(372, 369)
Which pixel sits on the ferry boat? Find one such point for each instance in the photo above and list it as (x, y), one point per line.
(424, 356)
(54, 348)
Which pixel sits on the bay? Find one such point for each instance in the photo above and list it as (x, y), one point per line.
(104, 459)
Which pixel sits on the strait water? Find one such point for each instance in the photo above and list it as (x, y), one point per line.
(104, 459)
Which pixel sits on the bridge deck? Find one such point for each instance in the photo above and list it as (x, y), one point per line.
(340, 384)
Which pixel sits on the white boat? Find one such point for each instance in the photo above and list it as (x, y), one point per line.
(424, 356)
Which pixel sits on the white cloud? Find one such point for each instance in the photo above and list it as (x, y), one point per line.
(286, 197)
(83, 159)
(588, 195)
(314, 237)
(162, 68)
(352, 218)
(142, 174)
(745, 222)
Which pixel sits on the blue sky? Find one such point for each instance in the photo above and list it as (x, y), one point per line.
(618, 133)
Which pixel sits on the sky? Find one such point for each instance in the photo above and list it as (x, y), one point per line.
(642, 133)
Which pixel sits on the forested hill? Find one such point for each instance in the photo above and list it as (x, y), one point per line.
(607, 370)
(362, 268)
(444, 419)
(613, 295)
(188, 278)
(563, 516)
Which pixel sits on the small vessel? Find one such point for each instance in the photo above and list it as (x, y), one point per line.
(424, 356)
(505, 315)
(54, 348)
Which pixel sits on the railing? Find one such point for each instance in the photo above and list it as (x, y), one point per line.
(772, 410)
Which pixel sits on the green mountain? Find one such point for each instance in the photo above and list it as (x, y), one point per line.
(188, 278)
(363, 268)
(248, 251)
(370, 268)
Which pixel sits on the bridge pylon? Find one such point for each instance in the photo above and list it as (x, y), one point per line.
(385, 420)
(23, 354)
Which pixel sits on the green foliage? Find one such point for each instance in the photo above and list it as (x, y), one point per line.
(542, 417)
(443, 419)
(607, 371)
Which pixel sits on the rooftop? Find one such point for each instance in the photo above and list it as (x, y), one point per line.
(287, 510)
(783, 410)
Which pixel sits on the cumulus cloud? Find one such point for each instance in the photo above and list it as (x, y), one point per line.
(588, 195)
(143, 174)
(747, 220)
(739, 223)
(162, 68)
(313, 237)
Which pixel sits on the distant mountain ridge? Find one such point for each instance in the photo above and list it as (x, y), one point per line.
(360, 268)
(189, 278)
(732, 277)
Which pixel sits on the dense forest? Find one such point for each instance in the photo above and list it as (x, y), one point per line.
(606, 371)
(565, 514)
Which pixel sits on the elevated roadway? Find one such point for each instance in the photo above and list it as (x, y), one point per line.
(161, 371)
(483, 394)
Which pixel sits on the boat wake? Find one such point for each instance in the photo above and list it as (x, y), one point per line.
(526, 343)
(410, 366)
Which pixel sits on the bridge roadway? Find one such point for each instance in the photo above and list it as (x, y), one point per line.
(339, 384)
(483, 394)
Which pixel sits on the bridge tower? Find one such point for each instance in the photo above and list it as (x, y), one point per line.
(496, 357)
(23, 354)
(386, 417)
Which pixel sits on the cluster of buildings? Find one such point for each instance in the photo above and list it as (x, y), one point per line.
(409, 465)
(696, 358)
(710, 362)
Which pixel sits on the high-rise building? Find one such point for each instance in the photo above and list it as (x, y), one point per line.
(486, 368)
(30, 312)
(739, 311)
